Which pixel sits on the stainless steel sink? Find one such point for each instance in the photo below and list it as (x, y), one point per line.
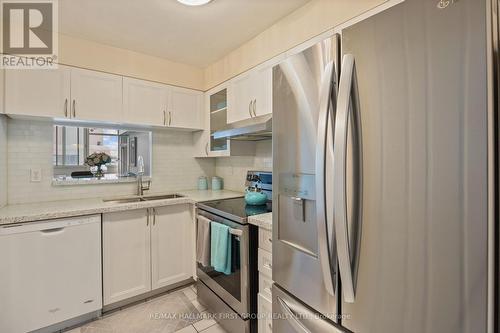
(124, 200)
(162, 197)
(144, 198)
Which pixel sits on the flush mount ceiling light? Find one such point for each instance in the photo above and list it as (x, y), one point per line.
(194, 2)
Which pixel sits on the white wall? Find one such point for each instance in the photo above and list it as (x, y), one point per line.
(29, 145)
(3, 160)
(234, 169)
(91, 55)
(308, 21)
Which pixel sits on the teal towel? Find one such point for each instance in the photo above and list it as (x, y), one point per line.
(220, 248)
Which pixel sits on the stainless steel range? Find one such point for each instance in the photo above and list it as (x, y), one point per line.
(233, 297)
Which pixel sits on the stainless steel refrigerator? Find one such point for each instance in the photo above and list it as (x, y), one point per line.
(380, 149)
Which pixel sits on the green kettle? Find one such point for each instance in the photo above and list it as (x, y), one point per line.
(255, 197)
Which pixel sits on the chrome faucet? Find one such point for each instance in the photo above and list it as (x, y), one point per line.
(140, 172)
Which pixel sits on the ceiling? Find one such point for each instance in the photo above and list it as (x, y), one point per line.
(192, 35)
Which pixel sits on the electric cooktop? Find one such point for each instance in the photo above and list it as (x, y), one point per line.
(235, 209)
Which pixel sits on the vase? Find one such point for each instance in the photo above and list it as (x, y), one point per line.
(99, 172)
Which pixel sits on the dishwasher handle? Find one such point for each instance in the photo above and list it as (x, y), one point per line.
(52, 231)
(48, 227)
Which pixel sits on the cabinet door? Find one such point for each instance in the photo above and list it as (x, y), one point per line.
(262, 83)
(126, 255)
(240, 99)
(96, 96)
(144, 102)
(171, 245)
(265, 315)
(185, 107)
(44, 93)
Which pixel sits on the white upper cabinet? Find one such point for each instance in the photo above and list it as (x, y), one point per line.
(241, 99)
(149, 103)
(144, 102)
(185, 107)
(81, 94)
(42, 93)
(263, 100)
(251, 95)
(172, 244)
(96, 96)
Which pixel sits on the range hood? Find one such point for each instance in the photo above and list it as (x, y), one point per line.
(253, 129)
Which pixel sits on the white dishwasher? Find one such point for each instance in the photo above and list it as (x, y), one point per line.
(50, 271)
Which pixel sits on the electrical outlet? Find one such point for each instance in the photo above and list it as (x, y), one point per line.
(36, 175)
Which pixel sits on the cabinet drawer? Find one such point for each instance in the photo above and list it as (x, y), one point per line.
(266, 263)
(265, 286)
(265, 311)
(266, 240)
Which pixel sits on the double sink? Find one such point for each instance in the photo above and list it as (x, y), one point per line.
(144, 198)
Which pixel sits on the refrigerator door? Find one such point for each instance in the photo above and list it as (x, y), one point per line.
(304, 93)
(295, 317)
(422, 89)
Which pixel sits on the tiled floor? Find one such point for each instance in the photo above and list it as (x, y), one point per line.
(178, 311)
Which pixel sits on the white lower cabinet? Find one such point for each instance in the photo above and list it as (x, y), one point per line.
(265, 260)
(126, 255)
(171, 245)
(146, 249)
(265, 310)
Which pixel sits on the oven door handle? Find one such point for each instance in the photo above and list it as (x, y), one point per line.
(236, 232)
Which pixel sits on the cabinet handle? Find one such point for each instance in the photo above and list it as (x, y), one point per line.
(255, 107)
(206, 149)
(154, 216)
(52, 231)
(250, 109)
(270, 326)
(169, 118)
(74, 108)
(147, 217)
(164, 117)
(66, 108)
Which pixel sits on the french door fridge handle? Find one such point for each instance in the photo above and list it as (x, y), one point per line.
(292, 317)
(324, 254)
(347, 104)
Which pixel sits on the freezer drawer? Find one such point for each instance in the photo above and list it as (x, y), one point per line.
(50, 272)
(290, 315)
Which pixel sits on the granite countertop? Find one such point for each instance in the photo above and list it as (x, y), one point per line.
(264, 221)
(70, 208)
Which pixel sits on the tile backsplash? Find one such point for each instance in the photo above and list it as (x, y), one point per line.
(3, 160)
(29, 145)
(234, 169)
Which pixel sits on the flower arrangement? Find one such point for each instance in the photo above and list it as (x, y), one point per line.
(96, 161)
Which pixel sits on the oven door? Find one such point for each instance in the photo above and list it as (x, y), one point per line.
(233, 288)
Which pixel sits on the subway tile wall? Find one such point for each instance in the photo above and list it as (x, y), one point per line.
(234, 169)
(3, 160)
(29, 145)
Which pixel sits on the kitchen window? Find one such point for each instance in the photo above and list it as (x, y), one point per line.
(72, 145)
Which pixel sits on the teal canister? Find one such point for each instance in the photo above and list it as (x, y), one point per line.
(216, 183)
(202, 183)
